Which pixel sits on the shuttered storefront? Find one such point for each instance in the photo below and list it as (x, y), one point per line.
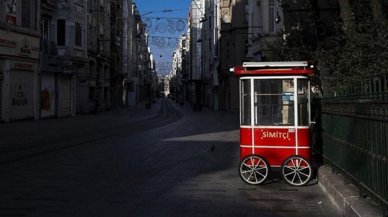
(48, 95)
(65, 96)
(21, 95)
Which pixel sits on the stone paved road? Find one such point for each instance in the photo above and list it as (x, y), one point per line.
(168, 171)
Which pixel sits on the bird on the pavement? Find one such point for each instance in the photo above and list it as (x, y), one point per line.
(212, 148)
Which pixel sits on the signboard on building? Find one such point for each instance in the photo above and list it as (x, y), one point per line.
(24, 66)
(10, 14)
(21, 94)
(8, 43)
(25, 48)
(20, 97)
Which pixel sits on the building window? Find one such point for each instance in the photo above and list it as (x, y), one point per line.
(102, 16)
(227, 50)
(78, 34)
(271, 13)
(246, 13)
(92, 93)
(61, 32)
(45, 34)
(26, 19)
(246, 44)
(90, 5)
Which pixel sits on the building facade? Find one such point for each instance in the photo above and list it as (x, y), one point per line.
(71, 41)
(19, 60)
(233, 50)
(93, 84)
(265, 24)
(133, 69)
(195, 24)
(179, 69)
(211, 37)
(51, 69)
(59, 58)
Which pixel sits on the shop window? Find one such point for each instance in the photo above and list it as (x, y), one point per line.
(274, 102)
(303, 109)
(245, 106)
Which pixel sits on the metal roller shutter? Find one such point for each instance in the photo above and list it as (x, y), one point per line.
(21, 95)
(65, 96)
(48, 95)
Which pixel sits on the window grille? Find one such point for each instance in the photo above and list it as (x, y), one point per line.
(26, 13)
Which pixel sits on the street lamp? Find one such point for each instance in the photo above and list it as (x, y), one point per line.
(277, 17)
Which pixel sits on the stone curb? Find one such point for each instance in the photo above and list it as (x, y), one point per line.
(346, 196)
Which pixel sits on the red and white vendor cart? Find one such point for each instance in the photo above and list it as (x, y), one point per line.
(275, 121)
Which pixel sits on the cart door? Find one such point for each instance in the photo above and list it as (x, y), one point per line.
(276, 126)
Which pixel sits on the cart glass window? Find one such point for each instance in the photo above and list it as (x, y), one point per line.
(245, 102)
(303, 112)
(274, 102)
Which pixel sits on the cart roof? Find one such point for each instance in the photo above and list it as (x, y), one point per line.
(273, 68)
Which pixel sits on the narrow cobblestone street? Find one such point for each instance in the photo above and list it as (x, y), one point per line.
(166, 171)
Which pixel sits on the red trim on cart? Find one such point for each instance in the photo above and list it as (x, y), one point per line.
(240, 70)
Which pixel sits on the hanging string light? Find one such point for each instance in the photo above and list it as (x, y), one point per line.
(165, 24)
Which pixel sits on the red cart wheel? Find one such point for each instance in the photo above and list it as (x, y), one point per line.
(253, 169)
(297, 170)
